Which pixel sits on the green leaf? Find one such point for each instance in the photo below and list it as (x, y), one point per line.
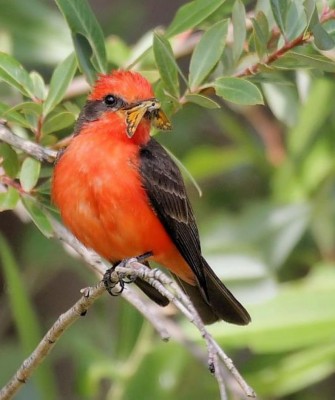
(166, 64)
(169, 104)
(9, 199)
(30, 173)
(285, 227)
(239, 91)
(25, 318)
(118, 51)
(322, 39)
(21, 306)
(293, 60)
(207, 53)
(283, 101)
(311, 14)
(191, 15)
(87, 37)
(10, 115)
(239, 26)
(295, 20)
(12, 72)
(38, 85)
(261, 33)
(84, 53)
(313, 113)
(58, 122)
(28, 107)
(9, 161)
(202, 101)
(279, 10)
(38, 216)
(60, 80)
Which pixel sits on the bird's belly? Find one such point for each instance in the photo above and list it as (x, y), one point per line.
(102, 201)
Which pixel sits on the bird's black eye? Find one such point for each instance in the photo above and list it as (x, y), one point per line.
(110, 100)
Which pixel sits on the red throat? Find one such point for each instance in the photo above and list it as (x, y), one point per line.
(114, 125)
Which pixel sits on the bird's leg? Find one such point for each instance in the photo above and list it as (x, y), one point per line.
(111, 279)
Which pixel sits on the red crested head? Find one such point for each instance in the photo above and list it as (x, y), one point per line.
(122, 103)
(128, 85)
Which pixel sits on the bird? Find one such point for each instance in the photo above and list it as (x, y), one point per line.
(121, 194)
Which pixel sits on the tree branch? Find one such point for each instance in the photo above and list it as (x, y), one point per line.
(326, 15)
(39, 152)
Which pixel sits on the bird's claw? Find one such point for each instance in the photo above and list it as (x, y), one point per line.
(111, 281)
(111, 278)
(123, 264)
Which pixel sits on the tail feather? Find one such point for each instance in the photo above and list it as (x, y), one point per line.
(218, 302)
(213, 303)
(152, 293)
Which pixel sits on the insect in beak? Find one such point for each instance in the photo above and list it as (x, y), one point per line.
(150, 109)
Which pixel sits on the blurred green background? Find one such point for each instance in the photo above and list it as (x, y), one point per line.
(266, 219)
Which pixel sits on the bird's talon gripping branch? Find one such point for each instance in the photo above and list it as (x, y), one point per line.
(113, 278)
(211, 368)
(113, 284)
(130, 278)
(126, 278)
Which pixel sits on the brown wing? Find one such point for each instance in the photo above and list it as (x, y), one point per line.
(165, 188)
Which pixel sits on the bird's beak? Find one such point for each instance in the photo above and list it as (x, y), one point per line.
(151, 109)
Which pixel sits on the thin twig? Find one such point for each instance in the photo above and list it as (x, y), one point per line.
(39, 152)
(218, 376)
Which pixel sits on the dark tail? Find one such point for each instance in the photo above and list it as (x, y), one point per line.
(214, 304)
(218, 302)
(152, 293)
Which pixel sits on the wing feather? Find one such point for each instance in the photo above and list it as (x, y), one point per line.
(166, 191)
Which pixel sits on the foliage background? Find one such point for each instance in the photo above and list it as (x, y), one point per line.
(266, 216)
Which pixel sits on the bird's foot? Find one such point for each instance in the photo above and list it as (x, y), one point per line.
(113, 284)
(114, 281)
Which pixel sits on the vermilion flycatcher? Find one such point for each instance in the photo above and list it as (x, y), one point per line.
(122, 195)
